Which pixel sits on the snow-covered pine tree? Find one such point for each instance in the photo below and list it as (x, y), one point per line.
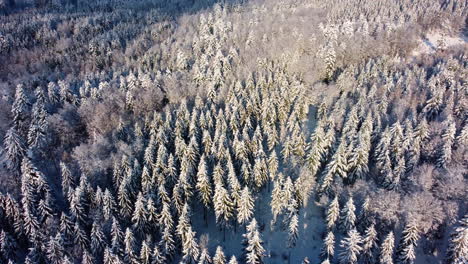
(19, 109)
(277, 201)
(348, 215)
(333, 213)
(448, 138)
(203, 184)
(254, 251)
(157, 257)
(233, 260)
(98, 239)
(184, 222)
(219, 257)
(14, 150)
(145, 252)
(223, 205)
(369, 244)
(407, 246)
(139, 217)
(457, 251)
(336, 167)
(108, 203)
(351, 247)
(386, 249)
(116, 235)
(328, 248)
(190, 248)
(167, 242)
(293, 231)
(129, 247)
(245, 206)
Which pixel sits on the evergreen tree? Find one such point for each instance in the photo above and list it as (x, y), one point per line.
(458, 246)
(223, 205)
(98, 239)
(129, 247)
(407, 246)
(293, 231)
(145, 252)
(219, 257)
(190, 248)
(386, 249)
(14, 150)
(139, 217)
(348, 216)
(254, 251)
(351, 247)
(328, 249)
(245, 206)
(333, 213)
(203, 183)
(157, 257)
(233, 260)
(369, 244)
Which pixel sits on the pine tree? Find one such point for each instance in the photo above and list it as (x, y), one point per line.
(337, 166)
(328, 249)
(190, 248)
(167, 242)
(14, 150)
(145, 252)
(254, 251)
(293, 231)
(55, 250)
(369, 244)
(139, 217)
(233, 260)
(98, 240)
(223, 205)
(184, 222)
(348, 216)
(386, 249)
(19, 108)
(245, 206)
(446, 151)
(38, 126)
(277, 202)
(351, 247)
(80, 237)
(219, 257)
(116, 235)
(87, 258)
(129, 247)
(203, 183)
(458, 246)
(333, 213)
(157, 257)
(407, 246)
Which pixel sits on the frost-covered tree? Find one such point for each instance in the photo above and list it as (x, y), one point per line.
(333, 213)
(386, 249)
(245, 206)
(458, 247)
(219, 257)
(350, 247)
(293, 231)
(190, 249)
(98, 239)
(145, 252)
(369, 244)
(139, 217)
(14, 150)
(328, 248)
(203, 184)
(448, 139)
(254, 251)
(233, 260)
(223, 205)
(407, 246)
(348, 215)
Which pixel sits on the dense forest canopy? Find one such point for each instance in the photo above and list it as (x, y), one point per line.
(236, 131)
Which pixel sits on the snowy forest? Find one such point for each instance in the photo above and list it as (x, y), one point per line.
(234, 131)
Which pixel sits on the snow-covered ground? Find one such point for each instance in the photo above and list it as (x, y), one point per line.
(430, 42)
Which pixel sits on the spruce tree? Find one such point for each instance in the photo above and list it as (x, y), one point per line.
(254, 251)
(219, 257)
(190, 248)
(328, 249)
(386, 249)
(245, 206)
(351, 247)
(333, 213)
(348, 216)
(369, 244)
(458, 246)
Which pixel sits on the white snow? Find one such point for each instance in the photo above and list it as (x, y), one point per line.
(429, 43)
